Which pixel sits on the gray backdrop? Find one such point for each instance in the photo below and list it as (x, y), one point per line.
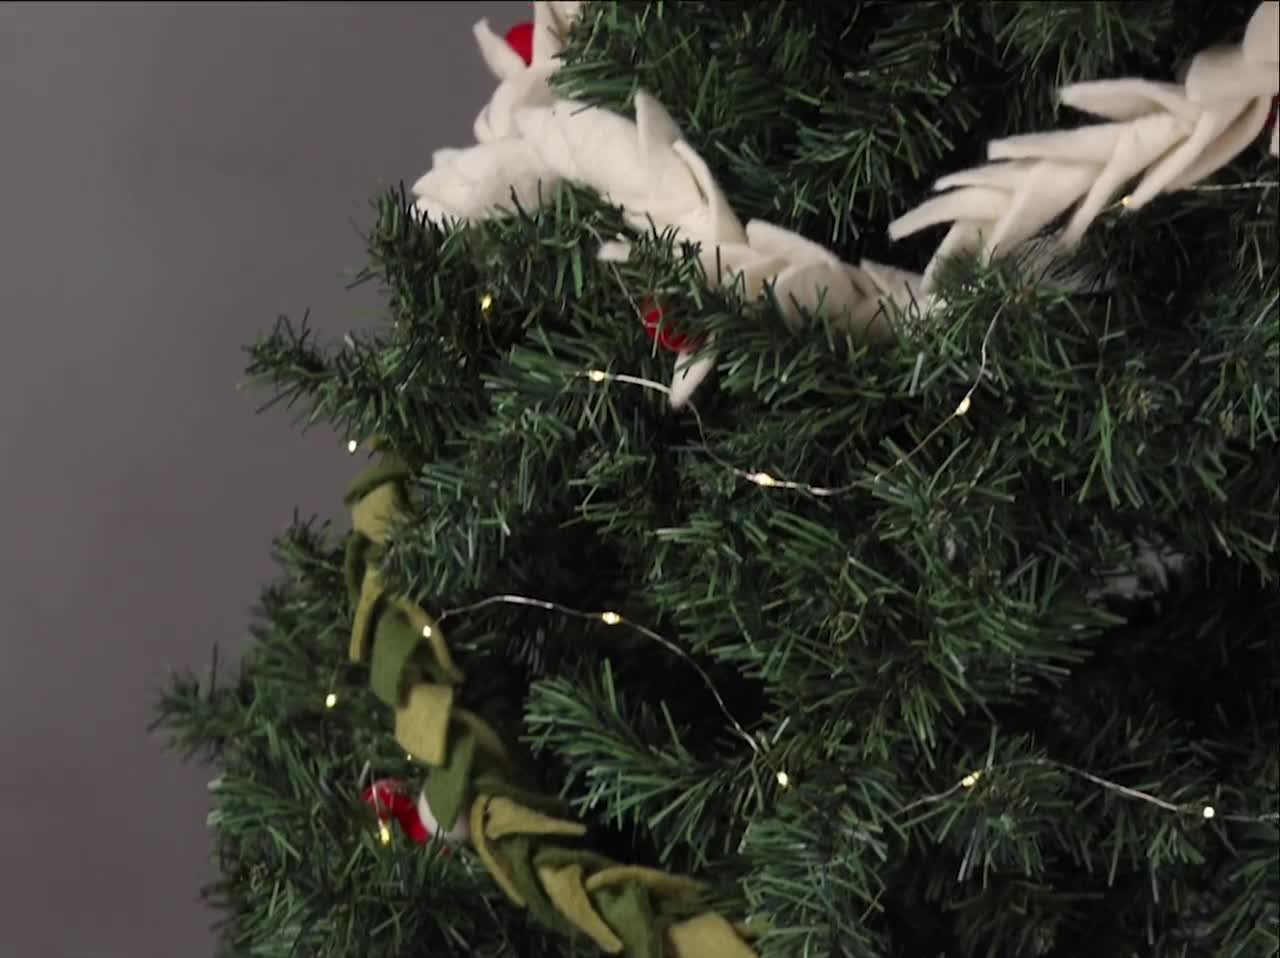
(171, 178)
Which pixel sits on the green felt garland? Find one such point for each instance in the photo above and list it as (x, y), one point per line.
(537, 857)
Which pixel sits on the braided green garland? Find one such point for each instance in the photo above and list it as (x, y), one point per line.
(532, 854)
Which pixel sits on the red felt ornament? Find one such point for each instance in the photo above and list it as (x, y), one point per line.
(520, 39)
(661, 332)
(391, 798)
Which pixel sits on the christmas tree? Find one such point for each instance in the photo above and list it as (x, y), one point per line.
(815, 494)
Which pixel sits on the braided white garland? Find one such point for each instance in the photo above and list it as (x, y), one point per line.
(1173, 135)
(528, 141)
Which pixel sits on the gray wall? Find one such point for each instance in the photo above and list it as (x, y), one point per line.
(170, 180)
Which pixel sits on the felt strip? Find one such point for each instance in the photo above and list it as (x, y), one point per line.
(486, 738)
(422, 723)
(628, 913)
(355, 560)
(389, 468)
(556, 856)
(612, 904)
(707, 936)
(518, 852)
(431, 633)
(373, 515)
(494, 784)
(506, 817)
(564, 887)
(660, 882)
(368, 606)
(493, 865)
(448, 786)
(369, 594)
(393, 647)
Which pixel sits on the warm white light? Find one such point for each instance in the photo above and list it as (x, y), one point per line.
(610, 618)
(597, 376)
(784, 779)
(1209, 812)
(763, 479)
(963, 407)
(426, 631)
(330, 700)
(384, 833)
(352, 446)
(486, 302)
(971, 779)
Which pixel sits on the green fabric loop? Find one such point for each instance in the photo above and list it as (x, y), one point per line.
(709, 935)
(355, 558)
(369, 606)
(422, 723)
(388, 468)
(649, 914)
(424, 669)
(448, 787)
(517, 852)
(568, 894)
(557, 856)
(628, 912)
(394, 645)
(496, 784)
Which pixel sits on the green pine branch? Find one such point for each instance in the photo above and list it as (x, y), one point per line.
(631, 766)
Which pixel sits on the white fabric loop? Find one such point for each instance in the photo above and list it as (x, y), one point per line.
(1171, 135)
(528, 141)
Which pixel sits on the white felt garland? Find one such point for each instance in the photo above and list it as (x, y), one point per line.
(528, 141)
(1172, 135)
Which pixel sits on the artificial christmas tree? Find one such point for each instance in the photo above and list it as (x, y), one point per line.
(744, 567)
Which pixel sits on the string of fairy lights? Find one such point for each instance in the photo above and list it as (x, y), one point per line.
(1204, 810)
(761, 477)
(766, 480)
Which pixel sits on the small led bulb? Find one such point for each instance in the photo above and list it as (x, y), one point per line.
(610, 618)
(330, 700)
(763, 479)
(597, 376)
(352, 446)
(1209, 812)
(963, 407)
(384, 833)
(784, 779)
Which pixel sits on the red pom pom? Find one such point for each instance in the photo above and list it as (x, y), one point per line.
(520, 39)
(391, 799)
(665, 336)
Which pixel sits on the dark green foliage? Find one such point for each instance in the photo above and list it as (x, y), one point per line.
(302, 871)
(947, 614)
